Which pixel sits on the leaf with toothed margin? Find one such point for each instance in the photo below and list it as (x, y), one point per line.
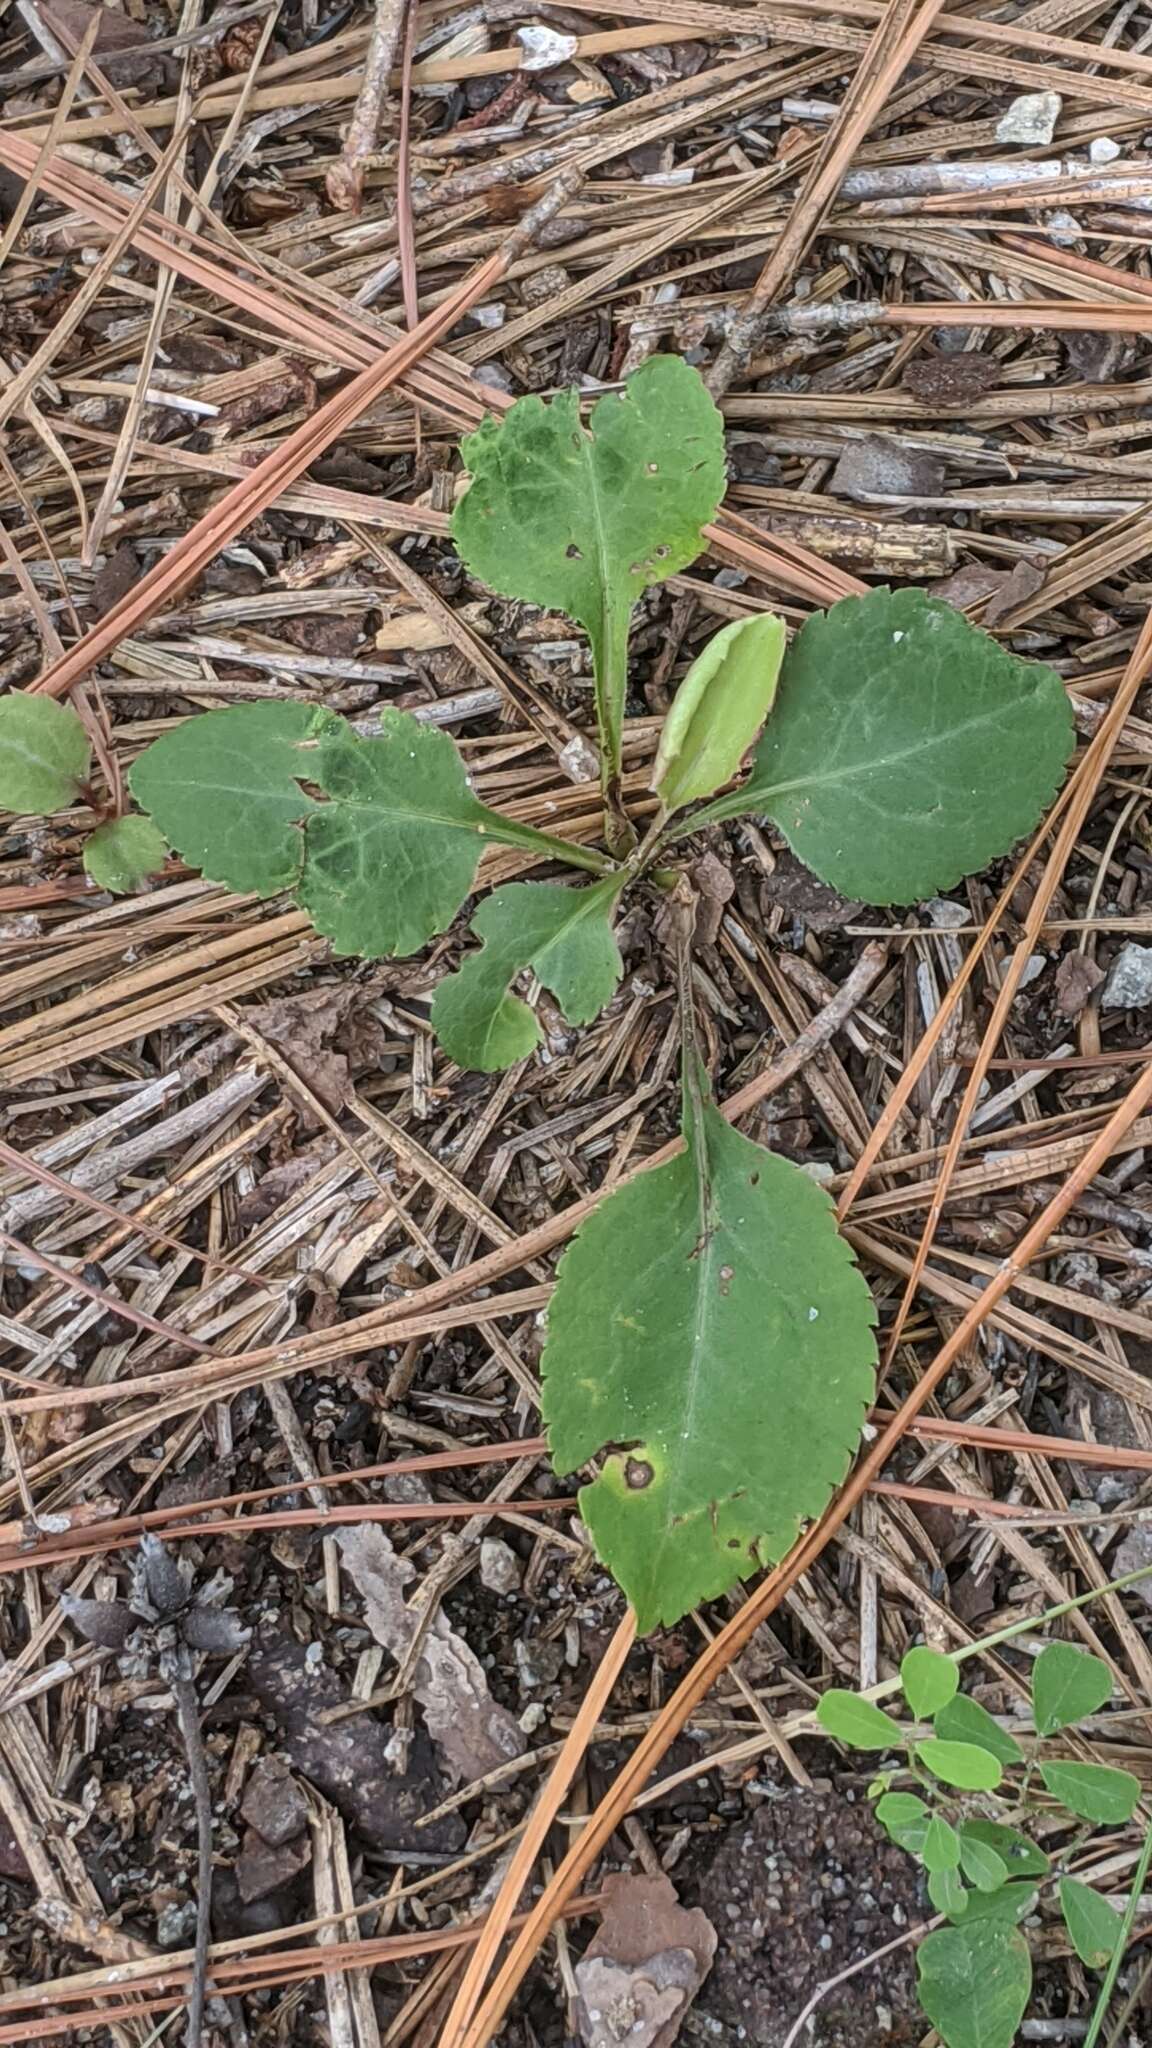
(711, 1335)
(564, 935)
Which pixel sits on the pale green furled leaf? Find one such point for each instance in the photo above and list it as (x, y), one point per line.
(857, 1723)
(44, 754)
(1093, 1923)
(960, 1763)
(711, 1326)
(929, 1681)
(1067, 1685)
(947, 1891)
(1093, 1791)
(564, 935)
(1017, 1852)
(905, 749)
(975, 1981)
(941, 1846)
(905, 1819)
(965, 1720)
(719, 709)
(123, 852)
(390, 857)
(224, 789)
(981, 1865)
(582, 518)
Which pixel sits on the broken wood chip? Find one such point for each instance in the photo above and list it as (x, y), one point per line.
(644, 1965)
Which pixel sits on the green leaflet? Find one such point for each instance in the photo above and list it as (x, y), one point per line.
(709, 1329)
(564, 935)
(975, 1982)
(1093, 1923)
(43, 754)
(121, 853)
(719, 709)
(381, 860)
(857, 1722)
(929, 1681)
(1067, 1685)
(1094, 1791)
(584, 518)
(905, 748)
(965, 1720)
(1017, 1851)
(960, 1763)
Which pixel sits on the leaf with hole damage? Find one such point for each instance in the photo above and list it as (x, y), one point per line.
(564, 935)
(1067, 1685)
(711, 1336)
(44, 754)
(122, 853)
(582, 518)
(975, 1981)
(719, 709)
(905, 748)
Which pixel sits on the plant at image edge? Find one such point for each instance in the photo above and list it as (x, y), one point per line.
(710, 1337)
(964, 1825)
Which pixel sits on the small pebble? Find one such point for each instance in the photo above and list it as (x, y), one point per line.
(1129, 983)
(1030, 119)
(1104, 150)
(500, 1568)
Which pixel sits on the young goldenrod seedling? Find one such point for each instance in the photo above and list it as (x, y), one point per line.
(967, 1823)
(710, 1338)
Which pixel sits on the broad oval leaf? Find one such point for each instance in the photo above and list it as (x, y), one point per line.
(719, 709)
(1093, 1923)
(960, 1764)
(1067, 1685)
(981, 1865)
(941, 1846)
(975, 1981)
(929, 1681)
(122, 853)
(1019, 1854)
(44, 754)
(904, 1817)
(584, 518)
(711, 1325)
(1093, 1791)
(1009, 1902)
(947, 1891)
(859, 1725)
(965, 1720)
(905, 749)
(564, 935)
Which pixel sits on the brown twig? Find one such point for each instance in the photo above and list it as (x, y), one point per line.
(345, 180)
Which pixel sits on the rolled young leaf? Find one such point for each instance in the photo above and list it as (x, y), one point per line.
(719, 709)
(711, 1334)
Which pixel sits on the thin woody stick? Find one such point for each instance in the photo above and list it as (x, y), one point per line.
(345, 181)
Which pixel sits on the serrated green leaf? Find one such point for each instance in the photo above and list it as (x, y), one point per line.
(710, 1324)
(44, 754)
(981, 1865)
(1093, 1923)
(905, 1819)
(123, 852)
(719, 709)
(941, 1848)
(960, 1763)
(946, 1891)
(1019, 1854)
(224, 789)
(858, 1724)
(905, 749)
(929, 1681)
(564, 935)
(965, 1720)
(583, 518)
(1067, 1685)
(975, 1981)
(1093, 1791)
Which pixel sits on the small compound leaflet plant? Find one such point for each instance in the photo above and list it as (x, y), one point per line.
(967, 1821)
(710, 1338)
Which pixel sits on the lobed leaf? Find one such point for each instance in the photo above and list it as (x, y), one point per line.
(1067, 1685)
(44, 754)
(905, 749)
(965, 1720)
(929, 1681)
(1093, 1923)
(564, 935)
(975, 1981)
(710, 1331)
(718, 709)
(858, 1724)
(120, 854)
(1093, 1791)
